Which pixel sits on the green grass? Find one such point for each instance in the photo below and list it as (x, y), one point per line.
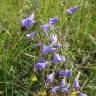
(77, 33)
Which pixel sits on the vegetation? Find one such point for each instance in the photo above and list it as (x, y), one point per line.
(76, 32)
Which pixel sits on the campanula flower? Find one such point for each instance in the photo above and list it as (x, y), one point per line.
(43, 65)
(68, 73)
(72, 10)
(62, 73)
(55, 90)
(76, 85)
(66, 88)
(37, 67)
(48, 49)
(53, 21)
(45, 27)
(58, 45)
(62, 83)
(31, 35)
(54, 39)
(62, 59)
(82, 94)
(40, 66)
(50, 78)
(58, 58)
(28, 22)
(42, 60)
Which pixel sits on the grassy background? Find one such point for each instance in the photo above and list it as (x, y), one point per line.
(77, 34)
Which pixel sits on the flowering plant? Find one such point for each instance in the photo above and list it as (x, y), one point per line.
(56, 78)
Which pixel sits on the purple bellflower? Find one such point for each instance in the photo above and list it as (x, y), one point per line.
(45, 27)
(54, 39)
(72, 10)
(58, 45)
(62, 83)
(31, 35)
(68, 73)
(53, 21)
(41, 65)
(28, 22)
(42, 60)
(62, 73)
(66, 88)
(76, 85)
(48, 49)
(50, 78)
(55, 90)
(82, 94)
(58, 58)
(37, 67)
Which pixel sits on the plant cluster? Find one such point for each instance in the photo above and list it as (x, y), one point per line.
(51, 70)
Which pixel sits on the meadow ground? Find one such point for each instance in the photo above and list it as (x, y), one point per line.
(77, 34)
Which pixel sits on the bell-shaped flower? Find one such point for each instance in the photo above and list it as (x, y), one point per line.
(72, 10)
(28, 22)
(41, 65)
(76, 85)
(54, 21)
(31, 35)
(45, 27)
(58, 58)
(68, 73)
(55, 90)
(54, 39)
(48, 49)
(82, 94)
(50, 78)
(62, 83)
(66, 88)
(62, 73)
(58, 45)
(42, 60)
